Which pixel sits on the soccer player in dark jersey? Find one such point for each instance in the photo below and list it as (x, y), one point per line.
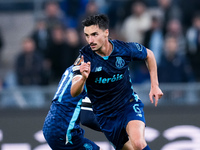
(104, 71)
(61, 128)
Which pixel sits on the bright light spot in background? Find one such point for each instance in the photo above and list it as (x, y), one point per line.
(43, 147)
(1, 135)
(104, 145)
(39, 136)
(20, 146)
(183, 131)
(151, 134)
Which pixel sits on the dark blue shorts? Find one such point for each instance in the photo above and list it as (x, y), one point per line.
(55, 130)
(114, 128)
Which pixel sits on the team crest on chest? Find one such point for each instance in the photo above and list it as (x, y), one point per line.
(119, 62)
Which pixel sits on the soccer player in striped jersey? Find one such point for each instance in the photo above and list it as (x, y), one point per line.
(61, 128)
(104, 71)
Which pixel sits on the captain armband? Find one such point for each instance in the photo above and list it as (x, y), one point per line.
(76, 67)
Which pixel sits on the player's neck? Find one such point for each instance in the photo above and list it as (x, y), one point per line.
(106, 49)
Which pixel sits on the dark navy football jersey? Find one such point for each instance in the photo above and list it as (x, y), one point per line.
(109, 86)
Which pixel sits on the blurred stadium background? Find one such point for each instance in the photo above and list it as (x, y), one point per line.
(173, 125)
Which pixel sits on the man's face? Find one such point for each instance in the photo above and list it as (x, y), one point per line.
(95, 37)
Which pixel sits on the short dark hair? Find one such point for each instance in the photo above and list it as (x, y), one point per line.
(101, 20)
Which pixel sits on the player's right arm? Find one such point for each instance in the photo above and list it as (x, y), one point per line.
(79, 80)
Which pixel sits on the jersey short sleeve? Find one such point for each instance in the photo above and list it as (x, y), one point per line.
(138, 51)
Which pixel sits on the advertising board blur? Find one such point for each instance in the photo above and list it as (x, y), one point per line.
(168, 128)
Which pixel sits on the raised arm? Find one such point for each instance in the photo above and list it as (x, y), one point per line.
(152, 66)
(78, 81)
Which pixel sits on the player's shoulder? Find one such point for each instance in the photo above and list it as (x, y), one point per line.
(118, 42)
(122, 44)
(132, 45)
(86, 50)
(123, 47)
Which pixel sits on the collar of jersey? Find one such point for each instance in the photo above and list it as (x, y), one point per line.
(106, 57)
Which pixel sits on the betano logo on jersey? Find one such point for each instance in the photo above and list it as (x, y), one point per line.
(108, 80)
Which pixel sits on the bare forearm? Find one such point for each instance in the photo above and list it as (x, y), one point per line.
(77, 86)
(152, 66)
(155, 91)
(78, 81)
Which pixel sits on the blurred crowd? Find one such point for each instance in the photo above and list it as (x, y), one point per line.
(170, 28)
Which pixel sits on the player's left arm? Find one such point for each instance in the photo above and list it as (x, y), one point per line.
(155, 91)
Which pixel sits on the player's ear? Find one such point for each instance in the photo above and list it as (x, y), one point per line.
(106, 32)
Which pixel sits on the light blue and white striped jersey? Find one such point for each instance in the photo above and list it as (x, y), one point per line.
(62, 94)
(66, 107)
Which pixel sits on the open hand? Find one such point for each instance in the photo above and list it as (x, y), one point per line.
(155, 93)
